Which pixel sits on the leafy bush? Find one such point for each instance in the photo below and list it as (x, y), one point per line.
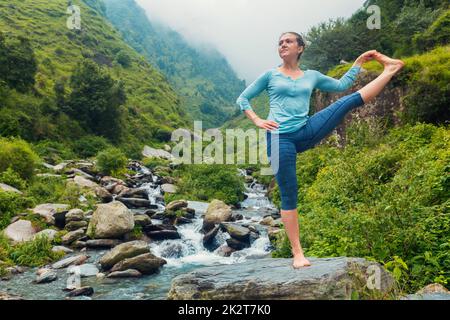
(18, 155)
(89, 146)
(209, 181)
(53, 152)
(388, 202)
(12, 203)
(34, 253)
(438, 33)
(111, 160)
(13, 179)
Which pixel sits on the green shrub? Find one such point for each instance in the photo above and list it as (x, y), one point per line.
(438, 33)
(12, 178)
(34, 253)
(89, 146)
(18, 155)
(111, 160)
(12, 203)
(53, 152)
(387, 202)
(46, 189)
(210, 181)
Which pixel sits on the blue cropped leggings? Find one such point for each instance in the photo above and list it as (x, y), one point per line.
(317, 127)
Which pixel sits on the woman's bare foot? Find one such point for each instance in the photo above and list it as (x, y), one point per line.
(300, 261)
(390, 65)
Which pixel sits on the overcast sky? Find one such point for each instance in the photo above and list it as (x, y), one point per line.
(245, 31)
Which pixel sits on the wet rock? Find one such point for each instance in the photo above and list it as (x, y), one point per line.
(176, 205)
(236, 244)
(146, 263)
(225, 251)
(135, 202)
(46, 276)
(163, 234)
(79, 245)
(110, 221)
(74, 260)
(182, 220)
(142, 220)
(275, 279)
(216, 212)
(208, 238)
(236, 231)
(9, 296)
(20, 231)
(130, 273)
(84, 270)
(72, 236)
(60, 219)
(237, 216)
(123, 251)
(83, 291)
(102, 243)
(266, 221)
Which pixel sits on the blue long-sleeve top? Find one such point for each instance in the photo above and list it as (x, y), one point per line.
(290, 98)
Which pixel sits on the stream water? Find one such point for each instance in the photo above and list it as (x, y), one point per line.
(182, 255)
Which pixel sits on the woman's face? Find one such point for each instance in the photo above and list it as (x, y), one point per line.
(288, 47)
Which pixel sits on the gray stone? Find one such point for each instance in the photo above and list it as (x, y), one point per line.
(110, 221)
(46, 276)
(20, 231)
(74, 260)
(85, 183)
(72, 236)
(8, 188)
(48, 210)
(217, 212)
(49, 233)
(276, 279)
(84, 270)
(74, 215)
(102, 243)
(146, 263)
(169, 188)
(83, 291)
(158, 153)
(62, 248)
(123, 251)
(135, 202)
(176, 204)
(236, 231)
(130, 273)
(142, 220)
(74, 225)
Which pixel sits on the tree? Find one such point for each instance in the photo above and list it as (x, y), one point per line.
(96, 100)
(18, 64)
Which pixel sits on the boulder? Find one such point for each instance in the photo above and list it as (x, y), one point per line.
(130, 273)
(102, 243)
(74, 215)
(84, 270)
(146, 263)
(217, 212)
(8, 188)
(85, 183)
(46, 276)
(236, 231)
(20, 231)
(176, 204)
(158, 153)
(123, 251)
(48, 210)
(74, 225)
(169, 188)
(72, 236)
(74, 260)
(49, 233)
(110, 220)
(276, 279)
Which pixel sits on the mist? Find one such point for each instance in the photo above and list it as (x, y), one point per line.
(244, 31)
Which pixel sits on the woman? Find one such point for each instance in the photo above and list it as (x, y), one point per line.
(289, 90)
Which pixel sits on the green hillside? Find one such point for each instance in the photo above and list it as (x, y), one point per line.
(205, 81)
(134, 104)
